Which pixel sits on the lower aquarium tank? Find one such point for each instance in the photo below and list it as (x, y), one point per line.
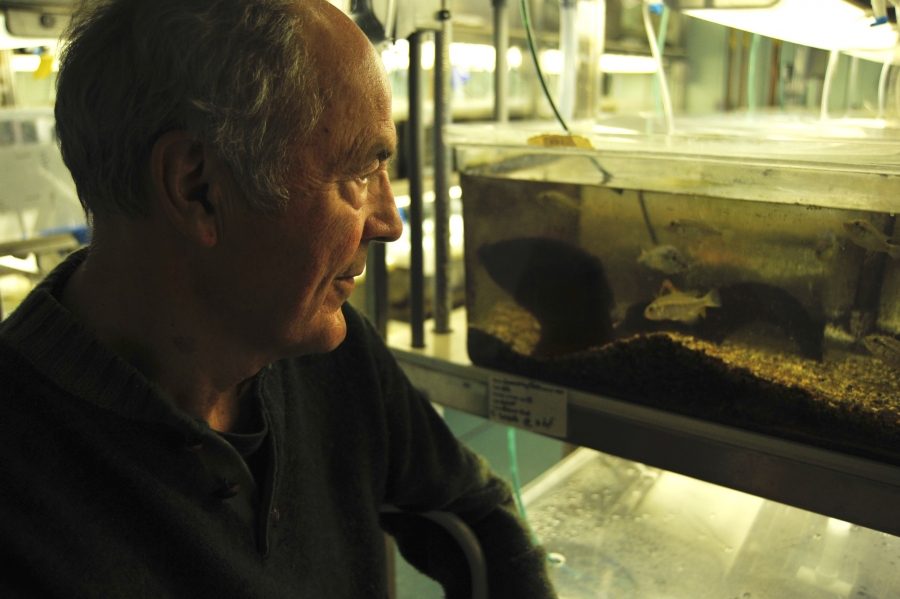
(777, 314)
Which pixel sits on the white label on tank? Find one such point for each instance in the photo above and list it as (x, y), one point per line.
(528, 404)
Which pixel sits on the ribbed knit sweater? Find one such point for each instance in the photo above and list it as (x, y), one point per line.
(108, 490)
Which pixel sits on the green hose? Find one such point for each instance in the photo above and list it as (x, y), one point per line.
(526, 21)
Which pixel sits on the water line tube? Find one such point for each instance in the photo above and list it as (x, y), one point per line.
(751, 73)
(660, 74)
(833, 58)
(882, 83)
(853, 82)
(661, 44)
(568, 44)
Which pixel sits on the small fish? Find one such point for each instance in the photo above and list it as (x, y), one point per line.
(680, 306)
(666, 258)
(694, 229)
(865, 235)
(826, 245)
(886, 349)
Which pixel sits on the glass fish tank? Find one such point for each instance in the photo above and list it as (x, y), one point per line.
(616, 528)
(745, 275)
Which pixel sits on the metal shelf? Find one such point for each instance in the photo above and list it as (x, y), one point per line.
(861, 491)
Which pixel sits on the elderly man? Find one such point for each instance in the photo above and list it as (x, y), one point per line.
(188, 408)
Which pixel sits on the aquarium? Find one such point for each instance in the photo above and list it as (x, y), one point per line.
(750, 279)
(616, 528)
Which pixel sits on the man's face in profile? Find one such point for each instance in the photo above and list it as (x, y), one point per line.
(285, 275)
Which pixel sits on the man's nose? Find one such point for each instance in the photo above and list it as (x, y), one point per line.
(384, 223)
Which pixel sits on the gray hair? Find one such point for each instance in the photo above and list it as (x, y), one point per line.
(235, 72)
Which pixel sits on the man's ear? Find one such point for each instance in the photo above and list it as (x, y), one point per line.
(183, 170)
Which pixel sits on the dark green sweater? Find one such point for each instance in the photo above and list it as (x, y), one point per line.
(108, 490)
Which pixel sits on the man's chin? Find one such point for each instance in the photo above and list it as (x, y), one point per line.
(323, 336)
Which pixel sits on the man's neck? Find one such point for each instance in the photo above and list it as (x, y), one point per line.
(136, 309)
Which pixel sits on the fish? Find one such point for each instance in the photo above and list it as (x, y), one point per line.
(665, 258)
(564, 287)
(826, 245)
(680, 306)
(694, 229)
(865, 235)
(886, 349)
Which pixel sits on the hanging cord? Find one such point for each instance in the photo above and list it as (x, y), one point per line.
(526, 21)
(529, 35)
(660, 74)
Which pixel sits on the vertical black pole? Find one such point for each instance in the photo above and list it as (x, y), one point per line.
(377, 287)
(501, 75)
(416, 177)
(443, 303)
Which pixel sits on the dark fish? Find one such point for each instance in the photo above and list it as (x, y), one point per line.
(746, 303)
(742, 305)
(561, 285)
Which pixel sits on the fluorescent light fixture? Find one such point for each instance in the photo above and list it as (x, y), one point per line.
(428, 197)
(473, 57)
(627, 63)
(826, 24)
(514, 57)
(552, 62)
(28, 63)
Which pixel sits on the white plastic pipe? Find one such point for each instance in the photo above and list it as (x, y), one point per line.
(568, 44)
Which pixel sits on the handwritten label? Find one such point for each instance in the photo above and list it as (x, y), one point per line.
(528, 404)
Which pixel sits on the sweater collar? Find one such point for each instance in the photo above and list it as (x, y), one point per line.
(63, 350)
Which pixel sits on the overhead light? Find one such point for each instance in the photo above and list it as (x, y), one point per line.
(29, 63)
(552, 62)
(825, 24)
(627, 63)
(514, 57)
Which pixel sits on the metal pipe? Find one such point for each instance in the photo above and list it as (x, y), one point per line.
(501, 68)
(416, 180)
(442, 166)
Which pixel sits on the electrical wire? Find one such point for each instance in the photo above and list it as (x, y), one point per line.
(526, 21)
(529, 36)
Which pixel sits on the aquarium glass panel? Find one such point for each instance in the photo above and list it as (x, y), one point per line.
(776, 317)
